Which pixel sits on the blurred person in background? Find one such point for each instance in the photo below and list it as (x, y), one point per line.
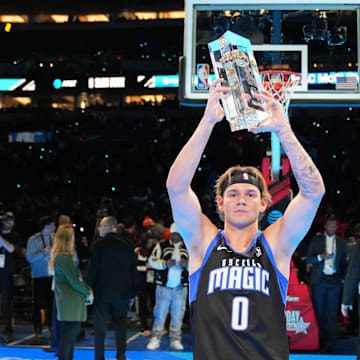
(9, 245)
(106, 208)
(128, 224)
(320, 221)
(165, 234)
(83, 251)
(55, 323)
(38, 255)
(146, 280)
(112, 275)
(158, 227)
(64, 220)
(327, 254)
(352, 236)
(7, 225)
(170, 259)
(352, 288)
(71, 292)
(148, 223)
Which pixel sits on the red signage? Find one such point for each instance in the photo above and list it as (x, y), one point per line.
(301, 320)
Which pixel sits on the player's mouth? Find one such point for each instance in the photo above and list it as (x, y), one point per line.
(240, 211)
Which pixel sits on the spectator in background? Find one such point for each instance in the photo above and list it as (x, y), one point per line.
(71, 292)
(158, 227)
(351, 287)
(7, 225)
(128, 225)
(112, 275)
(171, 260)
(166, 234)
(83, 251)
(327, 254)
(353, 239)
(321, 220)
(106, 208)
(9, 244)
(38, 255)
(55, 323)
(64, 220)
(146, 280)
(148, 223)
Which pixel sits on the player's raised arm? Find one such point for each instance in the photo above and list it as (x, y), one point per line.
(286, 234)
(185, 205)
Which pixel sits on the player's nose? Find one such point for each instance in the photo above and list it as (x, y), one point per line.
(240, 199)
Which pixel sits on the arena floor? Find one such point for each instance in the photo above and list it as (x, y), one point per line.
(13, 353)
(28, 347)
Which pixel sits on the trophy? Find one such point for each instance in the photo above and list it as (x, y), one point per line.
(233, 60)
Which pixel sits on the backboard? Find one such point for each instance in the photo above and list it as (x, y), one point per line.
(319, 39)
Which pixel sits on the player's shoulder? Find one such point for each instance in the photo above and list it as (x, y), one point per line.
(199, 244)
(207, 231)
(273, 230)
(206, 238)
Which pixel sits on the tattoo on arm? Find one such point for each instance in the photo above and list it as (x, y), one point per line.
(307, 175)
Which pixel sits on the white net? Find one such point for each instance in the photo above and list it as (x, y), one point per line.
(281, 84)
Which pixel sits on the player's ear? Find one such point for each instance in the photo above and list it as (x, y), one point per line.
(220, 203)
(263, 205)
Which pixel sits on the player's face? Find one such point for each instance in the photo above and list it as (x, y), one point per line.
(241, 204)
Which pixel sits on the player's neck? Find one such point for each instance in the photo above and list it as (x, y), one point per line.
(240, 238)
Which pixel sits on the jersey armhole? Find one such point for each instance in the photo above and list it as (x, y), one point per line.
(195, 276)
(282, 280)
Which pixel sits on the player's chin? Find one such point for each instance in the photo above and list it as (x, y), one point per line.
(241, 220)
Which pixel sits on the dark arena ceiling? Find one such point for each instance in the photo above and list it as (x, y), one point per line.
(47, 6)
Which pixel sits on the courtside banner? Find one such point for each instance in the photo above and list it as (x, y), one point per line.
(301, 321)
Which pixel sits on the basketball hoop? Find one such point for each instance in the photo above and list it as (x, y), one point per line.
(282, 84)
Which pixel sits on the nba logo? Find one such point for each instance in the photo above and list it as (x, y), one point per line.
(258, 251)
(203, 76)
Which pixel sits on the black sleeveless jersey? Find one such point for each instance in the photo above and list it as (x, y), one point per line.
(237, 303)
